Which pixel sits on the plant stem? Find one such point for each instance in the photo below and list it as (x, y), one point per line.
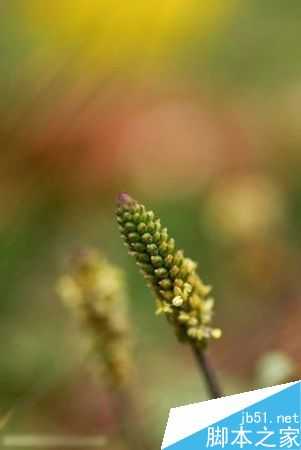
(208, 372)
(131, 419)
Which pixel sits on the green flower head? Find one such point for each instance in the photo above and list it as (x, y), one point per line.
(180, 294)
(94, 292)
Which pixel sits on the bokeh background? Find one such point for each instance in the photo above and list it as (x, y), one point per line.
(193, 107)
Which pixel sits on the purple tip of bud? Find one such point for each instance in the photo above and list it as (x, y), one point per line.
(124, 199)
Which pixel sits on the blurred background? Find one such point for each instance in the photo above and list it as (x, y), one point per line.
(193, 108)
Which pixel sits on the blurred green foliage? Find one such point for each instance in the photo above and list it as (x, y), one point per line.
(204, 110)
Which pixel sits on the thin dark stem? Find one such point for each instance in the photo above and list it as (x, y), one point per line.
(208, 372)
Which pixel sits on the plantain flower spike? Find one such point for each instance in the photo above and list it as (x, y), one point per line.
(94, 291)
(180, 294)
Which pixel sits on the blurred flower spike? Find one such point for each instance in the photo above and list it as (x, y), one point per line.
(180, 293)
(94, 291)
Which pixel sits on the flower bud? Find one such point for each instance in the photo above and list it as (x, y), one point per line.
(181, 295)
